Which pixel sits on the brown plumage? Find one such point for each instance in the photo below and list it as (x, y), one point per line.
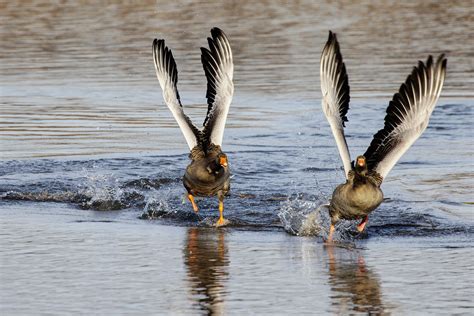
(360, 195)
(407, 117)
(208, 173)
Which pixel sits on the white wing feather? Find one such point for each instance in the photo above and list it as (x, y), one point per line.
(335, 92)
(407, 115)
(167, 75)
(219, 69)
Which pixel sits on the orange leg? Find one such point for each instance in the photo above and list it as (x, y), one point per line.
(361, 226)
(191, 199)
(331, 233)
(220, 222)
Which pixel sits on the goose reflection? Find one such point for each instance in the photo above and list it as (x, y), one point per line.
(354, 287)
(206, 260)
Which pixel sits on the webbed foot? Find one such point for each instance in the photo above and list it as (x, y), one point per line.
(221, 221)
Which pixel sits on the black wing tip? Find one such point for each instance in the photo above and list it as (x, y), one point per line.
(377, 149)
(441, 57)
(212, 45)
(207, 58)
(217, 32)
(217, 35)
(332, 36)
(164, 60)
(429, 60)
(421, 68)
(159, 44)
(442, 61)
(204, 50)
(444, 64)
(332, 43)
(332, 40)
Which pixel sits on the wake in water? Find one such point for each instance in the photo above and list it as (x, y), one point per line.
(90, 188)
(151, 188)
(302, 215)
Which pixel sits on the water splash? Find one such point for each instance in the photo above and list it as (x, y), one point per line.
(103, 191)
(310, 217)
(153, 188)
(165, 205)
(303, 217)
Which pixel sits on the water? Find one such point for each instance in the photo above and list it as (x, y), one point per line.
(93, 218)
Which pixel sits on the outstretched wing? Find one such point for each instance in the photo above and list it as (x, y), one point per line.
(167, 74)
(335, 90)
(219, 69)
(407, 116)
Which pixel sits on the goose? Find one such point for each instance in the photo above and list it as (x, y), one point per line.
(407, 116)
(208, 173)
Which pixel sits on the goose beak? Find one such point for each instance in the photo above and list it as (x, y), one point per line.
(223, 161)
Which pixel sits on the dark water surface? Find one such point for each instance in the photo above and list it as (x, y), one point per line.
(93, 216)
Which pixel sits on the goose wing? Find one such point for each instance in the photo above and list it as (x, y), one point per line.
(167, 74)
(335, 92)
(219, 69)
(407, 115)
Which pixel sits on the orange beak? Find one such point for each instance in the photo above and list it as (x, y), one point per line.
(223, 161)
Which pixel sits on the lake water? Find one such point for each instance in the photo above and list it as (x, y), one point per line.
(93, 218)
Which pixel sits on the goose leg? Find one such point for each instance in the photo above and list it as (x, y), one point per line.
(332, 228)
(361, 226)
(191, 199)
(220, 222)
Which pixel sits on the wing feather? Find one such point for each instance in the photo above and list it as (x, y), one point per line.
(167, 74)
(219, 69)
(407, 116)
(335, 91)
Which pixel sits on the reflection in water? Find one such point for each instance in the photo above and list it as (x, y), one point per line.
(206, 259)
(354, 287)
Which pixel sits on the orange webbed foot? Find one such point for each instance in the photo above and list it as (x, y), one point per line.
(221, 221)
